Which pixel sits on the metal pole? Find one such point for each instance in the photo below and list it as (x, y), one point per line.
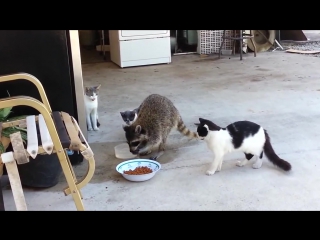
(241, 44)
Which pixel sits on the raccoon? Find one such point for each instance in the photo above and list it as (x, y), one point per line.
(156, 118)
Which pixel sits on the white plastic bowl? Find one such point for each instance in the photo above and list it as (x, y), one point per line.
(122, 151)
(132, 164)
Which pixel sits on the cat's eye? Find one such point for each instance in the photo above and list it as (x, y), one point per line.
(134, 144)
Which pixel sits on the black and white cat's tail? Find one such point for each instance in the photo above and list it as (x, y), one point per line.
(272, 156)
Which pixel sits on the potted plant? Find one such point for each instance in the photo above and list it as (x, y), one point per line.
(5, 133)
(43, 171)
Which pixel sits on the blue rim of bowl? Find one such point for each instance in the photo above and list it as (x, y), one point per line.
(138, 160)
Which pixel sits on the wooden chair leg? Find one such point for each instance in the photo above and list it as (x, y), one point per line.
(221, 45)
(254, 47)
(234, 42)
(89, 156)
(253, 44)
(73, 174)
(75, 192)
(15, 181)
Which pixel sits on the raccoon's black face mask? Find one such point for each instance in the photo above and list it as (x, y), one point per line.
(136, 138)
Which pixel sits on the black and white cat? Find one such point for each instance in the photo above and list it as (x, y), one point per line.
(129, 116)
(91, 107)
(244, 136)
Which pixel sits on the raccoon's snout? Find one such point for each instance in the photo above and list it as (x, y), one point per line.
(136, 151)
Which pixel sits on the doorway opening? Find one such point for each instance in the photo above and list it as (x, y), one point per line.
(184, 41)
(94, 46)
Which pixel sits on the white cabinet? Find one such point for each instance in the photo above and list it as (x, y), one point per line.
(130, 48)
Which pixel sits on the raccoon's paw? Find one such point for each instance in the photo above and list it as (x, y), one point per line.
(144, 153)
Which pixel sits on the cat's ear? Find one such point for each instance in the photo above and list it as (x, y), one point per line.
(122, 114)
(197, 124)
(98, 87)
(87, 89)
(201, 120)
(138, 129)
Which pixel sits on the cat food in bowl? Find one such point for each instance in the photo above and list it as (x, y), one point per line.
(138, 170)
(122, 151)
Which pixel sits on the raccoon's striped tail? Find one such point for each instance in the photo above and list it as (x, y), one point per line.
(185, 131)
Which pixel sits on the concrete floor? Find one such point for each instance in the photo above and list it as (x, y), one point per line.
(278, 90)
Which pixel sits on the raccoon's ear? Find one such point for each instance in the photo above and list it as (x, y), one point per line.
(144, 132)
(138, 129)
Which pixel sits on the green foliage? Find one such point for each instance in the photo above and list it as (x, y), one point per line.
(2, 150)
(4, 113)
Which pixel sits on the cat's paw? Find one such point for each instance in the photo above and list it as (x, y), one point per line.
(210, 172)
(256, 165)
(239, 164)
(96, 129)
(90, 129)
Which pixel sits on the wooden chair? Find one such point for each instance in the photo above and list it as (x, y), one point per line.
(59, 132)
(238, 37)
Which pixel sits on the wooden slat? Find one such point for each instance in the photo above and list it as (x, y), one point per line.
(61, 129)
(46, 140)
(32, 134)
(73, 134)
(23, 123)
(15, 181)
(18, 148)
(302, 51)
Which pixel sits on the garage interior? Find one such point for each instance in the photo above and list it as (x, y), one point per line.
(278, 90)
